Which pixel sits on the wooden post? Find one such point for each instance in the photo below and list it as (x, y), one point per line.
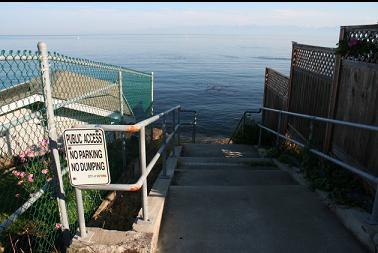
(264, 97)
(333, 99)
(286, 123)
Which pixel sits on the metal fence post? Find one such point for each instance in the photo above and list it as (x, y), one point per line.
(152, 93)
(53, 137)
(120, 93)
(123, 137)
(80, 212)
(164, 154)
(142, 155)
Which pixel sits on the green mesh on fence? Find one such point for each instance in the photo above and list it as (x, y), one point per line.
(83, 92)
(137, 91)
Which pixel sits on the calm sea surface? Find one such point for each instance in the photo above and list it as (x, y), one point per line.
(220, 76)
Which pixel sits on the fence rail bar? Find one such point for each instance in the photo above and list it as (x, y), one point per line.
(71, 60)
(13, 217)
(334, 121)
(84, 96)
(19, 57)
(84, 62)
(36, 196)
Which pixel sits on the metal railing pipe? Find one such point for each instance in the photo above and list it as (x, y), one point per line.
(335, 121)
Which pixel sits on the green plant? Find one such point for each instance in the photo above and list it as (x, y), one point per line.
(249, 134)
(353, 47)
(273, 152)
(343, 187)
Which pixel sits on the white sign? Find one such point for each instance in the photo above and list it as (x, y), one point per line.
(86, 156)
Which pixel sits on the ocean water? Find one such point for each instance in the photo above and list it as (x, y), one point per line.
(219, 76)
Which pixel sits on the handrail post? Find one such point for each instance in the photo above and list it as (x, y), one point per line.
(173, 130)
(164, 154)
(80, 212)
(194, 128)
(278, 128)
(260, 133)
(142, 155)
(243, 127)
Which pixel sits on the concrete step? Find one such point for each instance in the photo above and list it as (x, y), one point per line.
(219, 150)
(225, 166)
(227, 177)
(259, 219)
(223, 160)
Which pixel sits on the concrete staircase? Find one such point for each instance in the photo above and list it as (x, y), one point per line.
(225, 198)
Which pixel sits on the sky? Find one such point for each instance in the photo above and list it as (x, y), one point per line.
(186, 18)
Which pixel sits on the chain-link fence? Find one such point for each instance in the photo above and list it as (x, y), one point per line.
(81, 92)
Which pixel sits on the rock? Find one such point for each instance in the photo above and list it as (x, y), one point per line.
(157, 134)
(111, 241)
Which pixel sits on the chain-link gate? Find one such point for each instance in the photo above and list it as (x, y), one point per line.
(42, 94)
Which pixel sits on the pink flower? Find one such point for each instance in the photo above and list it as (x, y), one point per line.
(353, 42)
(22, 174)
(58, 226)
(16, 173)
(20, 182)
(30, 153)
(22, 156)
(30, 178)
(45, 142)
(45, 171)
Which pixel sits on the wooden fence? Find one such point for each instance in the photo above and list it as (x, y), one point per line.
(275, 96)
(355, 99)
(325, 84)
(311, 76)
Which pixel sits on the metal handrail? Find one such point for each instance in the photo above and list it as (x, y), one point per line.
(193, 123)
(145, 169)
(242, 119)
(373, 219)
